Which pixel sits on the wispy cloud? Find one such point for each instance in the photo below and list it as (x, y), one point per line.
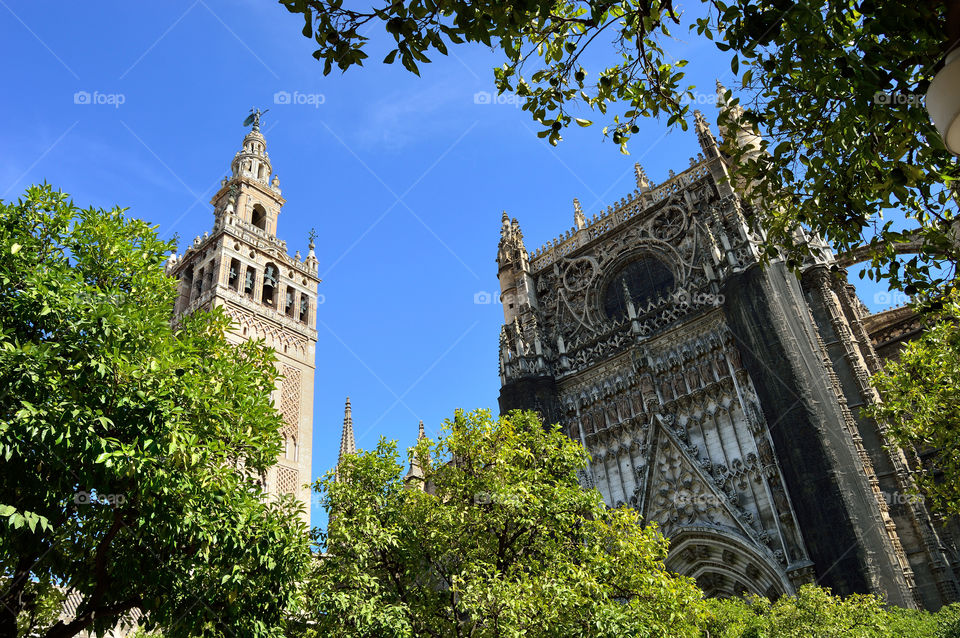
(402, 117)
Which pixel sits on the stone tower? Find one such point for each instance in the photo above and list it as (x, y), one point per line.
(244, 267)
(718, 397)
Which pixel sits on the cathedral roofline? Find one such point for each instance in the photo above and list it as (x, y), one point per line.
(616, 215)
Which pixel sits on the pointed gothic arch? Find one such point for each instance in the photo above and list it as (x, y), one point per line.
(725, 566)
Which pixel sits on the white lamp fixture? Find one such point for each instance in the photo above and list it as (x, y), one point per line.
(943, 101)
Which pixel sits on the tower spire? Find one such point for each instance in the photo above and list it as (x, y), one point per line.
(736, 132)
(705, 136)
(513, 269)
(347, 444)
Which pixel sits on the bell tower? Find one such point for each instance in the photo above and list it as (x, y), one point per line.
(243, 267)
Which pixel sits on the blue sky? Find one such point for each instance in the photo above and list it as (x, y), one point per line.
(404, 178)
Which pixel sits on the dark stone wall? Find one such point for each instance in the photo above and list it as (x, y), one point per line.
(809, 452)
(534, 393)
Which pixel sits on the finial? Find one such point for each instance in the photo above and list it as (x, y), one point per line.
(506, 218)
(312, 235)
(254, 118)
(721, 89)
(643, 182)
(578, 218)
(421, 434)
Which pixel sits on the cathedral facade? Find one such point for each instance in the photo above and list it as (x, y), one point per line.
(243, 267)
(719, 397)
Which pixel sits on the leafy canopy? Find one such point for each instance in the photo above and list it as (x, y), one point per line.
(921, 392)
(496, 539)
(833, 86)
(815, 612)
(132, 450)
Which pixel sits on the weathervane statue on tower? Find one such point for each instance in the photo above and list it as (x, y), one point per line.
(254, 118)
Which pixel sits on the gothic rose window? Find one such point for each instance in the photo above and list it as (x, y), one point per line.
(645, 278)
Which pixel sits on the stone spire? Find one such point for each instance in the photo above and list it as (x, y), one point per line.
(347, 444)
(416, 471)
(722, 91)
(705, 136)
(733, 129)
(511, 249)
(578, 219)
(517, 292)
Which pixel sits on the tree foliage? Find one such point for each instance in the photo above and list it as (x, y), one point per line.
(815, 612)
(502, 542)
(921, 392)
(833, 86)
(132, 449)
(836, 88)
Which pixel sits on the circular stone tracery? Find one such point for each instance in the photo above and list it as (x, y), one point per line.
(645, 278)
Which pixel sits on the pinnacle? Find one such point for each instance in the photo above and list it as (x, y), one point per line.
(347, 444)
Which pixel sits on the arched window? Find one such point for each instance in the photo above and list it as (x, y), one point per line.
(646, 279)
(289, 302)
(290, 447)
(234, 278)
(186, 287)
(250, 282)
(304, 308)
(197, 285)
(270, 273)
(259, 218)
